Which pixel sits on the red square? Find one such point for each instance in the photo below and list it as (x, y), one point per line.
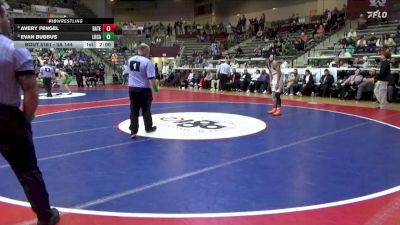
(108, 28)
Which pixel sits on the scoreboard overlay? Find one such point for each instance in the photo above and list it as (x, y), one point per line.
(64, 32)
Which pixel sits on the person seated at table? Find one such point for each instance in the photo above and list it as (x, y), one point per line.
(245, 80)
(367, 84)
(351, 83)
(236, 80)
(327, 80)
(254, 83)
(307, 86)
(292, 82)
(264, 82)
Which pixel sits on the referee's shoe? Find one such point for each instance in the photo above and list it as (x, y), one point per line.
(54, 219)
(152, 129)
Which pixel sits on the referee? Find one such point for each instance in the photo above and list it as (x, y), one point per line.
(16, 144)
(223, 74)
(141, 72)
(47, 73)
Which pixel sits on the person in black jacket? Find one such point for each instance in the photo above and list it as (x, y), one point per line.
(381, 86)
(326, 81)
(245, 80)
(79, 75)
(307, 84)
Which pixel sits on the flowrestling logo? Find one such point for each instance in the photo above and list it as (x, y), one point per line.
(199, 126)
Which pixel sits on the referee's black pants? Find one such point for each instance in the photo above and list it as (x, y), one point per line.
(141, 98)
(223, 79)
(47, 85)
(16, 146)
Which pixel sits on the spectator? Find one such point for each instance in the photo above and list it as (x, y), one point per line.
(371, 43)
(262, 21)
(350, 49)
(307, 84)
(125, 73)
(235, 64)
(239, 51)
(254, 83)
(236, 80)
(285, 64)
(207, 80)
(327, 80)
(382, 42)
(304, 37)
(214, 82)
(259, 34)
(398, 31)
(264, 81)
(292, 81)
(351, 83)
(361, 44)
(345, 54)
(362, 22)
(366, 63)
(352, 34)
(338, 48)
(321, 31)
(335, 63)
(356, 63)
(367, 84)
(245, 80)
(165, 70)
(390, 43)
(258, 51)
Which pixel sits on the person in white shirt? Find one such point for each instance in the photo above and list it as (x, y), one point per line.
(345, 54)
(66, 62)
(335, 63)
(165, 70)
(285, 64)
(352, 34)
(254, 83)
(361, 44)
(390, 42)
(259, 34)
(366, 63)
(125, 73)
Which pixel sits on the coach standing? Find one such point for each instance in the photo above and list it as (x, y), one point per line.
(16, 144)
(223, 74)
(141, 72)
(381, 86)
(47, 73)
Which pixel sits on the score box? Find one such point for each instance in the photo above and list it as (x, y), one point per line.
(108, 28)
(108, 36)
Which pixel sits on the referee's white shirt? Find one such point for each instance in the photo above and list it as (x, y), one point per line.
(225, 68)
(14, 62)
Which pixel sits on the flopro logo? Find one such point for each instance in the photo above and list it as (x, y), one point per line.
(199, 126)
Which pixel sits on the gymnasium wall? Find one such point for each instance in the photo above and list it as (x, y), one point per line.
(166, 10)
(101, 8)
(226, 11)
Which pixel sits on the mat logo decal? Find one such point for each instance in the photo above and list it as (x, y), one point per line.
(190, 123)
(199, 126)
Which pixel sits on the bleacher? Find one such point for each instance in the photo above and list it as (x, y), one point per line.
(378, 30)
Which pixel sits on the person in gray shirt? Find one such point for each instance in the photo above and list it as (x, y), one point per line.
(141, 84)
(16, 142)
